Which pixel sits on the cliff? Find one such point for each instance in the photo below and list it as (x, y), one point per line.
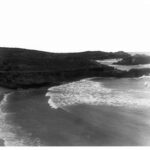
(21, 68)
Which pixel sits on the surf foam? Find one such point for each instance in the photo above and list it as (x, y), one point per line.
(8, 131)
(92, 93)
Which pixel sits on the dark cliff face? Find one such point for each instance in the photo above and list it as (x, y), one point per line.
(21, 68)
(22, 59)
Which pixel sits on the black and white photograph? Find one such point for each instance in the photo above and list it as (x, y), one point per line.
(74, 73)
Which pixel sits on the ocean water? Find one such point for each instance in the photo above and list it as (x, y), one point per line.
(95, 111)
(110, 62)
(140, 53)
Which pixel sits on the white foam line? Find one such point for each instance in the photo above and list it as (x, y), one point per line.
(7, 130)
(10, 138)
(7, 136)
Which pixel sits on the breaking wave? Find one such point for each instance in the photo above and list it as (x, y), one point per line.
(12, 134)
(6, 135)
(96, 93)
(80, 92)
(144, 77)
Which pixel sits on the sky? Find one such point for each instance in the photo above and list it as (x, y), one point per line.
(76, 25)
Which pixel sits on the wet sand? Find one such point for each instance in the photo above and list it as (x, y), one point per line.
(80, 125)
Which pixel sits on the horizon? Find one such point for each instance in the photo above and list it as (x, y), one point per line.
(130, 52)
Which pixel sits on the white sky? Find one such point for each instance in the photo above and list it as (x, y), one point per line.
(75, 25)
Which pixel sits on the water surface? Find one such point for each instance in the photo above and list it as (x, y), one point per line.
(97, 111)
(110, 62)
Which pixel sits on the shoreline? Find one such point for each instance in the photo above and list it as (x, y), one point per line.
(14, 134)
(3, 95)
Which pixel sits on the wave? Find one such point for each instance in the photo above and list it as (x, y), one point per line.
(79, 92)
(5, 133)
(92, 93)
(12, 134)
(6, 129)
(145, 77)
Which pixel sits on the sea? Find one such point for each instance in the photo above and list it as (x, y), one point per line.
(89, 112)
